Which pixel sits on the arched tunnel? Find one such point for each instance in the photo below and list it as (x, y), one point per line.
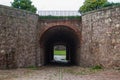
(60, 35)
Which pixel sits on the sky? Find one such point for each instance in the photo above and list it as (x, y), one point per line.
(72, 5)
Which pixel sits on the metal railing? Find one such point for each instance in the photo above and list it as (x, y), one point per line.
(58, 13)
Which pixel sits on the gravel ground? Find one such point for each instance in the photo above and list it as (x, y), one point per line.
(59, 73)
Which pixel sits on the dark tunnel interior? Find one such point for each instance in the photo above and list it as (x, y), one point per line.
(60, 35)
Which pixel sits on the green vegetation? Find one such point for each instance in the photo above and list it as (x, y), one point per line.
(32, 67)
(90, 5)
(96, 67)
(107, 4)
(60, 17)
(59, 52)
(24, 4)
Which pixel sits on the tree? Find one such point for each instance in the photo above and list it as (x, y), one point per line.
(24, 4)
(90, 5)
(111, 4)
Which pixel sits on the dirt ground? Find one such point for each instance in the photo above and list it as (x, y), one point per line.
(59, 73)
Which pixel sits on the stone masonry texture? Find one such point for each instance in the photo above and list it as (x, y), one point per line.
(101, 38)
(98, 34)
(17, 38)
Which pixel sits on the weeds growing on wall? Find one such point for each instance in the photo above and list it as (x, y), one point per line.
(60, 17)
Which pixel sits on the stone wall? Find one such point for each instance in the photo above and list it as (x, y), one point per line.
(101, 38)
(17, 37)
(21, 46)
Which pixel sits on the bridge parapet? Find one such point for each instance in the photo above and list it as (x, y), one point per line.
(59, 15)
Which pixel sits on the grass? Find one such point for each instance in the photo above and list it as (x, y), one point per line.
(59, 52)
(96, 67)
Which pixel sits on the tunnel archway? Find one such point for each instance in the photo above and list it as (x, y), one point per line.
(60, 35)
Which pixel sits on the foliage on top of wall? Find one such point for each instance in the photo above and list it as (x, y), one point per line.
(90, 5)
(60, 17)
(111, 4)
(24, 4)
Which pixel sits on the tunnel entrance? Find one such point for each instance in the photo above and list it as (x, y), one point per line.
(60, 53)
(56, 36)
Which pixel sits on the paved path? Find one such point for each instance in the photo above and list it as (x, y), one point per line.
(59, 70)
(59, 73)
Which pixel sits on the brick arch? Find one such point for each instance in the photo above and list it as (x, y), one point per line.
(69, 35)
(76, 30)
